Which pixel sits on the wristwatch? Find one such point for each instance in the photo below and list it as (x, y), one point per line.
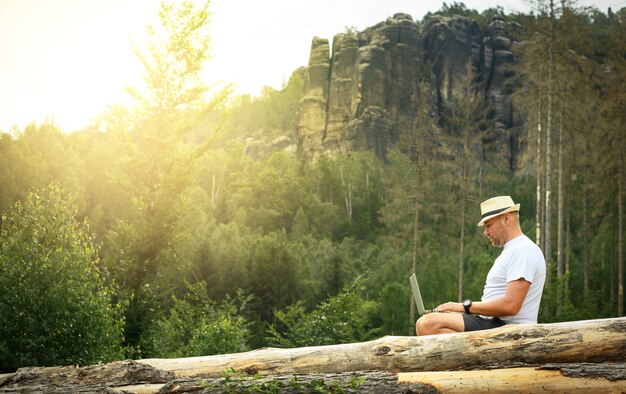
(467, 305)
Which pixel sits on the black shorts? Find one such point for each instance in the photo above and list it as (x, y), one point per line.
(476, 322)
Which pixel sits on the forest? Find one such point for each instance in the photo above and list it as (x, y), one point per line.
(154, 232)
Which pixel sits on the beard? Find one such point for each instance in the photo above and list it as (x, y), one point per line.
(496, 242)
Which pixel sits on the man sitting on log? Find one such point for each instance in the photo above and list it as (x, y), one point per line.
(514, 284)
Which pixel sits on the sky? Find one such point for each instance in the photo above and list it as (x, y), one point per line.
(68, 60)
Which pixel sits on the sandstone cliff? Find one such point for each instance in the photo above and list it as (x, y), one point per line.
(363, 93)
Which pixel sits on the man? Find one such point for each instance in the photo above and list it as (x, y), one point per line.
(514, 285)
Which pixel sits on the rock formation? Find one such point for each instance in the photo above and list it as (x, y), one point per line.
(364, 92)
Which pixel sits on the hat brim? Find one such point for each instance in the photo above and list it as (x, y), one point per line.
(514, 208)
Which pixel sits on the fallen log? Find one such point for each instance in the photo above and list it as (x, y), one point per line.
(75, 379)
(508, 346)
(565, 357)
(549, 378)
(113, 378)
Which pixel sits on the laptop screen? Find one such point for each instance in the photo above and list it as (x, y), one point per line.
(417, 295)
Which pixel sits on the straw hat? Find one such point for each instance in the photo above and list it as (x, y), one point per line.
(496, 206)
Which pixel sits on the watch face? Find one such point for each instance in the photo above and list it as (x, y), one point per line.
(467, 304)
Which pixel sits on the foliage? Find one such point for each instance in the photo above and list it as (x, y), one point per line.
(54, 306)
(456, 9)
(274, 271)
(198, 326)
(334, 321)
(177, 49)
(272, 113)
(394, 309)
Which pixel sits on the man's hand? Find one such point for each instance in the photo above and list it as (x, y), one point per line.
(450, 307)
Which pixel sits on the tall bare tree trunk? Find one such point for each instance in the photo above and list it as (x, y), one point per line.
(464, 182)
(585, 242)
(538, 206)
(414, 264)
(419, 130)
(348, 188)
(216, 186)
(462, 237)
(464, 185)
(560, 224)
(548, 191)
(620, 232)
(568, 239)
(613, 273)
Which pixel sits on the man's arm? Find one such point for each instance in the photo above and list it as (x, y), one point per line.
(508, 305)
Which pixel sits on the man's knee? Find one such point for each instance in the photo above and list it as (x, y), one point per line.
(425, 325)
(439, 323)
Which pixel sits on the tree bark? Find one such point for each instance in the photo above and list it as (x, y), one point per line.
(74, 379)
(560, 290)
(348, 190)
(462, 238)
(538, 207)
(533, 344)
(419, 130)
(620, 235)
(586, 263)
(548, 174)
(515, 380)
(414, 260)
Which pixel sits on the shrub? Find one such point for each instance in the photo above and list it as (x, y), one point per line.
(198, 326)
(54, 306)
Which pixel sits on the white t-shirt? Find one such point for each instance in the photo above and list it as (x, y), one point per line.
(521, 258)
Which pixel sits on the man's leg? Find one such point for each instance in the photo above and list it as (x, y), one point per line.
(440, 323)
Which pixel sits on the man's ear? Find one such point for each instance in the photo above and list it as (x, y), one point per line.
(507, 218)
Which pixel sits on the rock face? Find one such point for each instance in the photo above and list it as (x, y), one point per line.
(364, 93)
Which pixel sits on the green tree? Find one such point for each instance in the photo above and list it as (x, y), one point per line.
(354, 183)
(271, 114)
(54, 306)
(35, 157)
(101, 200)
(158, 173)
(336, 320)
(198, 326)
(273, 274)
(393, 309)
(224, 260)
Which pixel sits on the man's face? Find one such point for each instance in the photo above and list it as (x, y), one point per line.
(495, 231)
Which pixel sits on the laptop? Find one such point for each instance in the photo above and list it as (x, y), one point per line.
(418, 296)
